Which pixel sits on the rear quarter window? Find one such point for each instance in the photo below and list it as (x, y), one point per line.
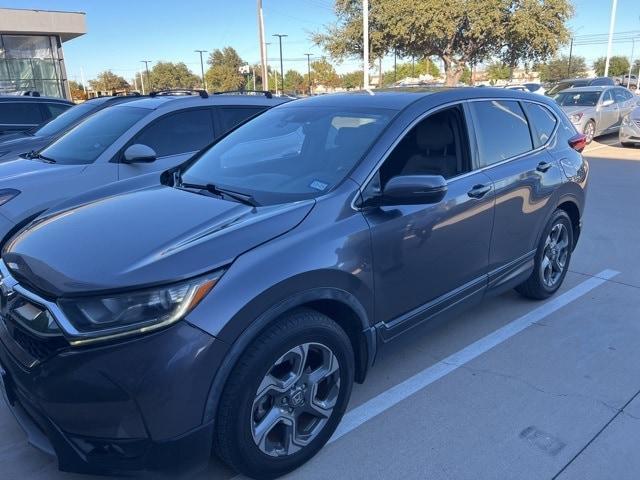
(231, 117)
(542, 122)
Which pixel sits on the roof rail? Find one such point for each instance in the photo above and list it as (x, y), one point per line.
(266, 93)
(179, 91)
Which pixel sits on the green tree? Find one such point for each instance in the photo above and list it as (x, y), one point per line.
(466, 76)
(618, 65)
(423, 66)
(168, 75)
(352, 80)
(294, 82)
(459, 32)
(498, 71)
(558, 68)
(107, 81)
(323, 73)
(224, 70)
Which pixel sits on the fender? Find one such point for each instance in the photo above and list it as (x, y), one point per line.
(367, 341)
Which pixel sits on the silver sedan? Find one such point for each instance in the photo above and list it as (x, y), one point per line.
(596, 110)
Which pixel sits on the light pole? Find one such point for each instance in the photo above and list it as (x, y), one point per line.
(204, 81)
(146, 66)
(309, 55)
(612, 24)
(280, 35)
(263, 48)
(570, 57)
(633, 47)
(365, 42)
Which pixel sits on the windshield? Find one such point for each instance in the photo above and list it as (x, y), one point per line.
(64, 120)
(290, 153)
(86, 142)
(564, 85)
(577, 99)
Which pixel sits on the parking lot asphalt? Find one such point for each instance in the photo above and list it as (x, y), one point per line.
(515, 389)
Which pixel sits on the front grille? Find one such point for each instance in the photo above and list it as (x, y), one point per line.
(39, 348)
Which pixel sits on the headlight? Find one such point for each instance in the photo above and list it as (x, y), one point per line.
(103, 318)
(575, 118)
(7, 194)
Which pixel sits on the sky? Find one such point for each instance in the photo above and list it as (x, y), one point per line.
(121, 33)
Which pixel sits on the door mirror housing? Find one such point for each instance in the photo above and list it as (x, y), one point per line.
(414, 190)
(607, 103)
(139, 153)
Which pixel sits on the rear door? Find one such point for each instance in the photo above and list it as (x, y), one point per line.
(625, 101)
(16, 116)
(175, 137)
(524, 174)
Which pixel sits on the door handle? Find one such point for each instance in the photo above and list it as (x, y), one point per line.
(543, 166)
(479, 191)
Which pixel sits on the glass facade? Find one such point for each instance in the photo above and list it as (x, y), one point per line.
(31, 62)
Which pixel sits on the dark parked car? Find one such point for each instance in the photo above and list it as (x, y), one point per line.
(579, 82)
(14, 144)
(235, 304)
(19, 113)
(141, 136)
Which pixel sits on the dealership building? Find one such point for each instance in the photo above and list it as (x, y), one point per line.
(31, 56)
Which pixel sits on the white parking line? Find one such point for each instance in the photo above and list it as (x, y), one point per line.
(384, 401)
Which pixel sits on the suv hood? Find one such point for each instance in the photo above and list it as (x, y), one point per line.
(151, 236)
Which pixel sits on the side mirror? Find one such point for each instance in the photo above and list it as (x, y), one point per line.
(414, 190)
(607, 103)
(139, 153)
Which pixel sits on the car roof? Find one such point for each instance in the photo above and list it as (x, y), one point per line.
(592, 88)
(401, 98)
(27, 98)
(174, 102)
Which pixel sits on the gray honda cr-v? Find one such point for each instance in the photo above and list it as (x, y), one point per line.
(232, 307)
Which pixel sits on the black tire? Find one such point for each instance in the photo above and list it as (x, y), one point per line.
(233, 441)
(627, 144)
(535, 286)
(590, 124)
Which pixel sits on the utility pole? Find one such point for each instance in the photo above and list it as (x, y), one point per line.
(253, 69)
(633, 47)
(280, 35)
(146, 65)
(309, 55)
(263, 48)
(142, 82)
(204, 81)
(365, 43)
(612, 24)
(570, 57)
(84, 86)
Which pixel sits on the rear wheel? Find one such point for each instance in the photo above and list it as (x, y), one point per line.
(589, 130)
(627, 144)
(552, 258)
(286, 396)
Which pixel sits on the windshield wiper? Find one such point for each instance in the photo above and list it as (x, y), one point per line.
(223, 192)
(33, 155)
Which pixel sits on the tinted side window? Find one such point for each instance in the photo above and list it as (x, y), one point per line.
(230, 117)
(542, 122)
(54, 109)
(20, 113)
(176, 133)
(619, 96)
(607, 96)
(438, 145)
(502, 130)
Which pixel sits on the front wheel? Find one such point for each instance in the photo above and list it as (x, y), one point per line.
(551, 260)
(286, 396)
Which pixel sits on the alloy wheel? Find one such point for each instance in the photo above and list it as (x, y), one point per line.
(589, 131)
(555, 255)
(295, 399)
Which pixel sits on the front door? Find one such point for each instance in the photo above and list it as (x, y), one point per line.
(428, 257)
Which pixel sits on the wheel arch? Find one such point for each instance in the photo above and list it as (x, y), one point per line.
(339, 305)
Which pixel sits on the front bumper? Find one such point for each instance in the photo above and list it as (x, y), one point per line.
(135, 406)
(630, 133)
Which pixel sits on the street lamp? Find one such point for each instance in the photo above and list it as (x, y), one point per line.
(146, 66)
(204, 81)
(279, 35)
(309, 55)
